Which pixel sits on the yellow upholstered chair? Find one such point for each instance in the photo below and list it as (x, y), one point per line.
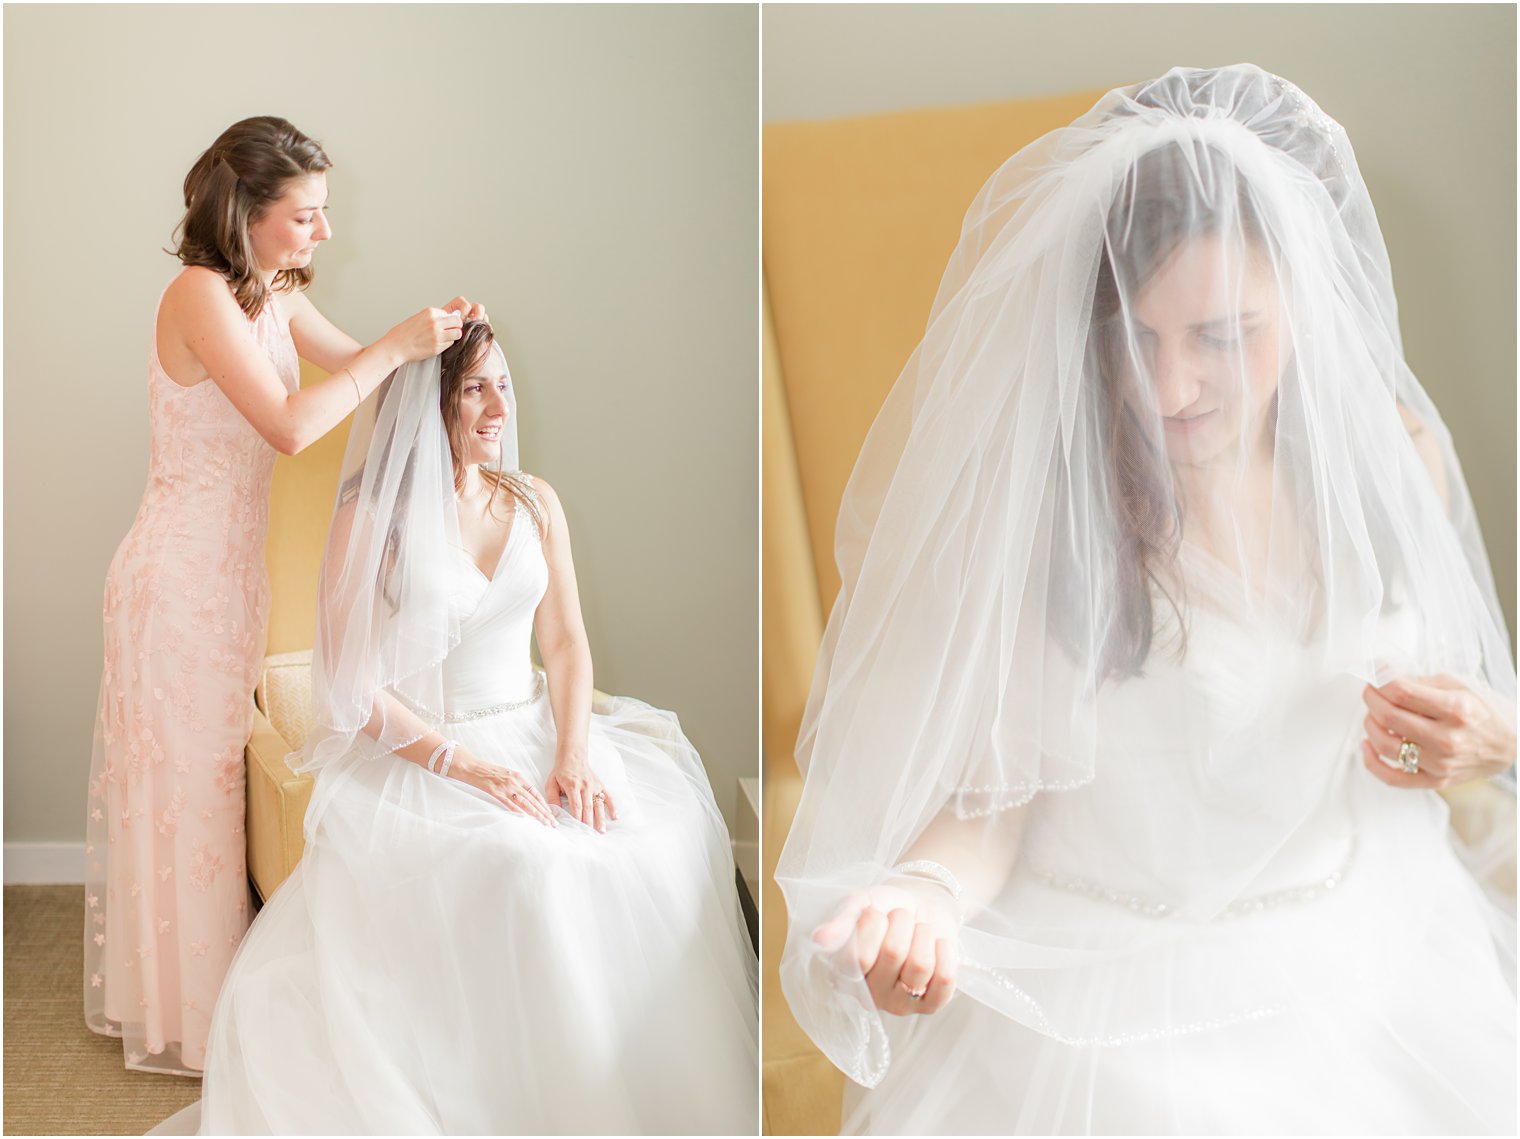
(860, 216)
(300, 510)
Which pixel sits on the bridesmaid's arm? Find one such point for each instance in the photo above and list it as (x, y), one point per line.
(327, 346)
(199, 310)
(561, 636)
(317, 338)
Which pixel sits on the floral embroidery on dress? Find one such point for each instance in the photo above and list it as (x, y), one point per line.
(184, 611)
(204, 865)
(169, 820)
(231, 774)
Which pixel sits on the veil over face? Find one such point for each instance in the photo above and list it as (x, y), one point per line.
(1140, 518)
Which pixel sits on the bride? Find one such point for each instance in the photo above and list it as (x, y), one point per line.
(514, 914)
(1164, 617)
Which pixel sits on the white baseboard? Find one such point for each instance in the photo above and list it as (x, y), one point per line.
(44, 863)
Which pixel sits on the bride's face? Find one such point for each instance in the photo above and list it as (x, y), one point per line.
(482, 409)
(1205, 352)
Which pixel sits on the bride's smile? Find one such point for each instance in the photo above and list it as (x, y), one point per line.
(483, 411)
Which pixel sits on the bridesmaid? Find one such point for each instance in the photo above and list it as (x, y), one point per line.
(186, 597)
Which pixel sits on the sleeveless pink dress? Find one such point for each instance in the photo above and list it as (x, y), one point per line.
(186, 605)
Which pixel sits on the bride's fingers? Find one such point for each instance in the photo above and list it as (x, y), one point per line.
(832, 934)
(1392, 718)
(895, 943)
(611, 807)
(1391, 774)
(599, 814)
(541, 808)
(1382, 739)
(869, 931)
(505, 799)
(1389, 746)
(918, 967)
(942, 984)
(531, 806)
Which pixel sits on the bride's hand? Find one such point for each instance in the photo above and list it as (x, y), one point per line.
(467, 310)
(902, 934)
(426, 334)
(1460, 736)
(509, 788)
(585, 797)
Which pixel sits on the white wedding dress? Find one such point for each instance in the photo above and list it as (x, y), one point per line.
(437, 964)
(1363, 984)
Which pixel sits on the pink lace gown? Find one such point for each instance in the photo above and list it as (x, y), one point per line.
(186, 604)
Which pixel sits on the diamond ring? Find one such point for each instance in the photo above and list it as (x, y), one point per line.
(1409, 757)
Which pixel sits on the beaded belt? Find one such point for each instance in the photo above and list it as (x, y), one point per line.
(498, 709)
(1149, 907)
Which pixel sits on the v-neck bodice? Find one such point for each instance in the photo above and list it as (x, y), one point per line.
(491, 664)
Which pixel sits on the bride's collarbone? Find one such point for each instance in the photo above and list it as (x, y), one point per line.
(484, 534)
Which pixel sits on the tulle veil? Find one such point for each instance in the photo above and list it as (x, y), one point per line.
(1123, 545)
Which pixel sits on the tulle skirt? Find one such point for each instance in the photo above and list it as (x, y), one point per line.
(437, 964)
(1383, 1006)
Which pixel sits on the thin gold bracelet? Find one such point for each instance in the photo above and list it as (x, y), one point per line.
(357, 392)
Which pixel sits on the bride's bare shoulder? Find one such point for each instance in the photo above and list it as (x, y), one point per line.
(538, 486)
(1427, 446)
(545, 500)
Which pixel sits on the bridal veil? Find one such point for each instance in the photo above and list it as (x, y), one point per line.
(1156, 495)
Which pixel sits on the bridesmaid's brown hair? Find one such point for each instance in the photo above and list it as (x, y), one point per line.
(238, 177)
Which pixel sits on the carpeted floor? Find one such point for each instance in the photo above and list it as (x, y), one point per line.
(61, 1078)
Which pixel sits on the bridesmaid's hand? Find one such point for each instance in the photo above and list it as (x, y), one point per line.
(509, 788)
(467, 310)
(426, 334)
(584, 796)
(1461, 736)
(902, 935)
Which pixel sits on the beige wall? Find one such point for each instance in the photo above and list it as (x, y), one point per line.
(1426, 93)
(588, 172)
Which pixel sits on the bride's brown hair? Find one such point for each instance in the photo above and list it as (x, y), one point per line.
(1157, 210)
(458, 361)
(232, 184)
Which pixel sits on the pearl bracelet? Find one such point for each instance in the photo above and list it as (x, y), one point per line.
(929, 871)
